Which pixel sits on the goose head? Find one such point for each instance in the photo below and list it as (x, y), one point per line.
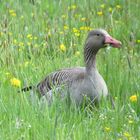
(100, 38)
(96, 40)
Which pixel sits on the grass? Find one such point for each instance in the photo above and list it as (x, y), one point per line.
(30, 35)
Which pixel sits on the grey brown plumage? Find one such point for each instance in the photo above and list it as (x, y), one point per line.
(81, 81)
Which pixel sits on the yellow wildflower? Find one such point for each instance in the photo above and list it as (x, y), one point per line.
(107, 129)
(66, 27)
(138, 41)
(83, 19)
(77, 53)
(29, 43)
(82, 28)
(102, 5)
(126, 134)
(63, 16)
(15, 41)
(77, 34)
(133, 98)
(21, 44)
(36, 45)
(15, 82)
(10, 33)
(110, 9)
(26, 63)
(35, 38)
(62, 47)
(75, 30)
(12, 13)
(73, 7)
(86, 28)
(1, 34)
(61, 32)
(100, 13)
(29, 36)
(130, 122)
(118, 6)
(19, 49)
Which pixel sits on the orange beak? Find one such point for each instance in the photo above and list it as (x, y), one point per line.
(112, 41)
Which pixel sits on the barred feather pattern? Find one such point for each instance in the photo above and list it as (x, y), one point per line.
(60, 77)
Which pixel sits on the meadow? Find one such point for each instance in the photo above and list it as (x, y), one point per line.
(40, 36)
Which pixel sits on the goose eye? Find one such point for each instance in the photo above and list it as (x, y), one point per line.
(98, 34)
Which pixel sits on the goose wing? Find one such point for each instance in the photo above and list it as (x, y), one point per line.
(60, 77)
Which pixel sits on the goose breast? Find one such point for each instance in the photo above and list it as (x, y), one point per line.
(92, 87)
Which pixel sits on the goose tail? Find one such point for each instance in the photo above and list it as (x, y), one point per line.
(25, 89)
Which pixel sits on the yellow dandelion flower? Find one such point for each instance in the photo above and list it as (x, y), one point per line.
(29, 43)
(26, 63)
(29, 36)
(62, 47)
(130, 122)
(1, 33)
(36, 45)
(77, 53)
(63, 16)
(75, 30)
(73, 7)
(77, 34)
(10, 33)
(21, 44)
(126, 134)
(15, 41)
(110, 9)
(107, 129)
(66, 27)
(138, 41)
(82, 28)
(61, 32)
(11, 11)
(13, 14)
(35, 37)
(88, 28)
(100, 13)
(118, 6)
(15, 82)
(102, 6)
(83, 19)
(133, 98)
(19, 49)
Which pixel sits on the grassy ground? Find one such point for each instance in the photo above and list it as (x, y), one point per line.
(39, 37)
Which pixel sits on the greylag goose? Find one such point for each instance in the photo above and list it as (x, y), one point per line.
(80, 82)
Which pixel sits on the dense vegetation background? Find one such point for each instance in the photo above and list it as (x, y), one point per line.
(40, 36)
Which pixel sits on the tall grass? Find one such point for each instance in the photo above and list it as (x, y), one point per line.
(31, 33)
